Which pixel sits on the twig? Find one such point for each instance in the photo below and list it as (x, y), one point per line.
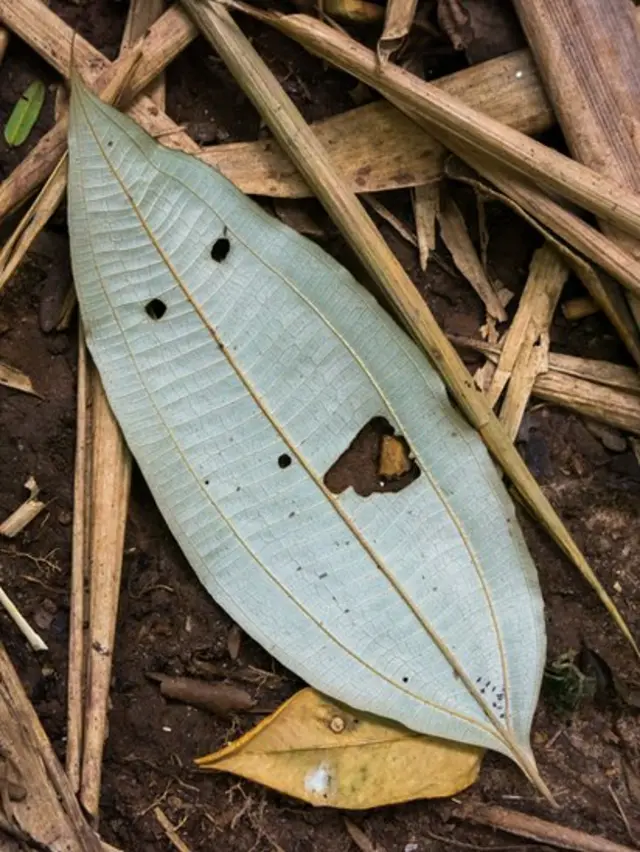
(36, 642)
(170, 830)
(25, 513)
(537, 829)
(140, 16)
(343, 206)
(390, 218)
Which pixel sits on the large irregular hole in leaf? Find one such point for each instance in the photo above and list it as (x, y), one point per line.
(376, 461)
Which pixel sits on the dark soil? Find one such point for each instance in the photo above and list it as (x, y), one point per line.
(167, 623)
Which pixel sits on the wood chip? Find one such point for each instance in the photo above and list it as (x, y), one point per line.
(12, 377)
(25, 513)
(222, 699)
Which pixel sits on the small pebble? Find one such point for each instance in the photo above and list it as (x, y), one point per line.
(65, 517)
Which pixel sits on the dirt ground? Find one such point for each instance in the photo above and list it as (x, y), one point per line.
(589, 755)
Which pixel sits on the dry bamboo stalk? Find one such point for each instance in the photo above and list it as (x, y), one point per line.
(49, 814)
(140, 16)
(110, 480)
(588, 56)
(579, 308)
(549, 218)
(537, 829)
(359, 231)
(79, 570)
(357, 60)
(398, 18)
(446, 114)
(426, 202)
(547, 276)
(455, 236)
(531, 362)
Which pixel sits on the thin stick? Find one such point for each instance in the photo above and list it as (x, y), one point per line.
(170, 830)
(140, 16)
(356, 226)
(449, 115)
(79, 571)
(36, 641)
(541, 830)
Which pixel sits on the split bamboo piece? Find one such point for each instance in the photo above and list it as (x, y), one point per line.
(359, 231)
(49, 815)
(589, 58)
(547, 276)
(609, 393)
(455, 236)
(25, 513)
(426, 202)
(398, 18)
(406, 92)
(526, 346)
(141, 15)
(12, 377)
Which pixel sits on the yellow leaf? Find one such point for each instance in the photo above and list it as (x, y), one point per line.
(331, 756)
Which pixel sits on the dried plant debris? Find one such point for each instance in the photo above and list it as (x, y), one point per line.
(25, 513)
(12, 377)
(221, 699)
(25, 114)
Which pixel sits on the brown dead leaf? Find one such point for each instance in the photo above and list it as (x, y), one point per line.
(331, 756)
(455, 21)
(360, 838)
(12, 377)
(222, 699)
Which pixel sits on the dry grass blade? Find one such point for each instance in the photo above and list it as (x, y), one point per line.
(455, 236)
(550, 219)
(79, 571)
(358, 229)
(426, 202)
(398, 18)
(36, 641)
(447, 115)
(49, 814)
(12, 377)
(391, 219)
(537, 829)
(547, 276)
(25, 513)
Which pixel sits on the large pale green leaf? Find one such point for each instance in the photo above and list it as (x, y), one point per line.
(229, 345)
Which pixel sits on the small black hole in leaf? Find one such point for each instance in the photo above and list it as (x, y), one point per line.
(220, 249)
(110, 143)
(155, 309)
(284, 461)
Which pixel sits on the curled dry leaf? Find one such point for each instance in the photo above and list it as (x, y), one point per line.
(219, 698)
(331, 756)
